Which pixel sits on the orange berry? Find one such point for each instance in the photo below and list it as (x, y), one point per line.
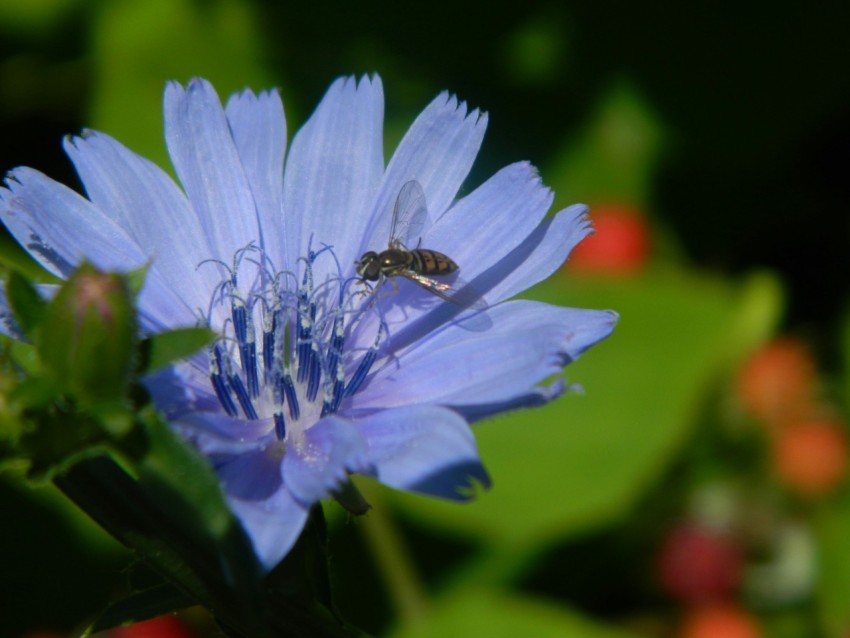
(719, 621)
(777, 383)
(811, 457)
(619, 245)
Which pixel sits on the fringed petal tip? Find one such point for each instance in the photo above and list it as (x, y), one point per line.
(450, 102)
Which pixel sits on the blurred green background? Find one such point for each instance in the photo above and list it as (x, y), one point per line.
(725, 131)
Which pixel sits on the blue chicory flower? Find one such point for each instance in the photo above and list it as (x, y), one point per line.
(315, 376)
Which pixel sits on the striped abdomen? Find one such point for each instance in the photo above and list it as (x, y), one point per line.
(431, 262)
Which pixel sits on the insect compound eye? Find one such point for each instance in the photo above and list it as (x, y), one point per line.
(368, 266)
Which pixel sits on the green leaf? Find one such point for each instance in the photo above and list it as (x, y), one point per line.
(26, 303)
(832, 530)
(162, 526)
(164, 348)
(171, 465)
(496, 614)
(21, 355)
(143, 605)
(584, 460)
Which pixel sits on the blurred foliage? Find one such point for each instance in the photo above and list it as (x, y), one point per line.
(727, 140)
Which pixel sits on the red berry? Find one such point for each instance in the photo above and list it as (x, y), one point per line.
(811, 457)
(619, 245)
(161, 627)
(777, 383)
(697, 565)
(719, 621)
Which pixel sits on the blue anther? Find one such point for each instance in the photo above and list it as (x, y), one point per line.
(315, 375)
(336, 398)
(362, 370)
(268, 349)
(279, 426)
(291, 397)
(222, 391)
(238, 387)
(240, 319)
(337, 343)
(248, 354)
(304, 332)
(223, 394)
(247, 345)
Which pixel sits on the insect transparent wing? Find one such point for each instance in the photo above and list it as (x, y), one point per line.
(409, 215)
(458, 291)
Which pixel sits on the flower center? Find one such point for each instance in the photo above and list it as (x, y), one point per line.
(301, 369)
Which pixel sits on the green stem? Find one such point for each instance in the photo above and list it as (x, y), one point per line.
(392, 558)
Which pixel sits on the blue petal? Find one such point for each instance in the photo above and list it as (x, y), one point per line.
(425, 449)
(219, 432)
(490, 222)
(528, 342)
(253, 475)
(180, 389)
(319, 460)
(333, 171)
(206, 161)
(273, 525)
(259, 131)
(146, 202)
(438, 151)
(411, 318)
(537, 257)
(535, 398)
(60, 228)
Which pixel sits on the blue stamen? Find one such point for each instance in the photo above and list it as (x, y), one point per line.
(306, 314)
(304, 334)
(361, 372)
(238, 388)
(291, 396)
(246, 339)
(269, 320)
(315, 373)
(248, 354)
(335, 367)
(223, 394)
(279, 426)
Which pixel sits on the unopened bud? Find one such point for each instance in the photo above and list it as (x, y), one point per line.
(87, 340)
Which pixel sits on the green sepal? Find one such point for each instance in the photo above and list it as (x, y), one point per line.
(57, 437)
(136, 279)
(27, 304)
(15, 258)
(157, 351)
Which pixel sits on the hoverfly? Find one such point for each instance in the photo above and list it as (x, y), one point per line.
(419, 265)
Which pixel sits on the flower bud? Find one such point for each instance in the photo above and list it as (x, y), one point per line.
(87, 340)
